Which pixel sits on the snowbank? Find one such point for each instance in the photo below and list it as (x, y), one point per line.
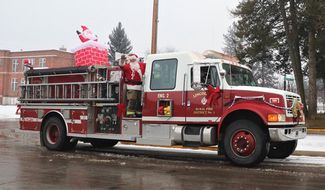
(312, 143)
(8, 112)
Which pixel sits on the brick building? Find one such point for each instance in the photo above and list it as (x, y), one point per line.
(12, 69)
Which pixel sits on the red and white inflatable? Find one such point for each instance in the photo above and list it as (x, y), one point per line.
(90, 52)
(86, 35)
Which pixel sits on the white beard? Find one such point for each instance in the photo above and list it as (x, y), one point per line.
(135, 67)
(88, 34)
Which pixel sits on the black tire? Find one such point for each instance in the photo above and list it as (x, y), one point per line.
(103, 143)
(70, 144)
(245, 143)
(54, 135)
(282, 150)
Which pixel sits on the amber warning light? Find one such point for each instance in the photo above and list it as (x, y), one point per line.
(164, 108)
(276, 117)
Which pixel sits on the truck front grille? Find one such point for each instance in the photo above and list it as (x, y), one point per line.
(289, 102)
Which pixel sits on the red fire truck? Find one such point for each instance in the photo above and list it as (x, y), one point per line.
(188, 99)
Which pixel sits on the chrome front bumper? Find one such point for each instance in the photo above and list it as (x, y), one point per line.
(287, 134)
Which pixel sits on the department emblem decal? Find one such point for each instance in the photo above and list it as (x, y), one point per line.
(204, 101)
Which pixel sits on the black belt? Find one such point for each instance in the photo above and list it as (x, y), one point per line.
(133, 82)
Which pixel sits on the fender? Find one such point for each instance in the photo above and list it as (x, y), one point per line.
(57, 113)
(259, 108)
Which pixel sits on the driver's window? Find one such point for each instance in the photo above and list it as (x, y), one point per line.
(208, 75)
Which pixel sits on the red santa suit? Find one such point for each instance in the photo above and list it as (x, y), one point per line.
(133, 72)
(86, 35)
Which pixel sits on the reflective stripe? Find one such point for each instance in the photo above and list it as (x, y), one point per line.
(148, 118)
(30, 119)
(203, 119)
(84, 117)
(73, 121)
(285, 123)
(190, 119)
(55, 107)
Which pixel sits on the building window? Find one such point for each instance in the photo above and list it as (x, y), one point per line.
(42, 62)
(22, 82)
(14, 65)
(31, 61)
(13, 84)
(163, 74)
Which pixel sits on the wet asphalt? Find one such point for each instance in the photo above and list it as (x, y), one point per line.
(24, 164)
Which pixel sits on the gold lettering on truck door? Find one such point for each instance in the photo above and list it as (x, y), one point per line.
(163, 95)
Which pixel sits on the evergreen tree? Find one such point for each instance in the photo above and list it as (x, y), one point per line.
(283, 34)
(118, 42)
(232, 42)
(252, 40)
(315, 17)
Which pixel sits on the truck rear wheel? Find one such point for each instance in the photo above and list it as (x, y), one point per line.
(245, 143)
(103, 143)
(282, 149)
(54, 134)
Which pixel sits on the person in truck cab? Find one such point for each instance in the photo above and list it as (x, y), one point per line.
(133, 71)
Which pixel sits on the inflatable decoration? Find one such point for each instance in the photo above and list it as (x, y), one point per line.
(90, 52)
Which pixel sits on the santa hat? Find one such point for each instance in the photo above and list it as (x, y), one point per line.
(84, 28)
(132, 57)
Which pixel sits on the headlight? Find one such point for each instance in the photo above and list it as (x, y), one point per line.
(274, 100)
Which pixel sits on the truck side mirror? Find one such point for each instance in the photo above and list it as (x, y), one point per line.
(222, 73)
(196, 84)
(196, 73)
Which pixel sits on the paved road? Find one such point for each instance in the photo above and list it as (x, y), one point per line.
(26, 165)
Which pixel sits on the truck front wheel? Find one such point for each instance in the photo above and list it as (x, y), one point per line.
(282, 149)
(245, 143)
(54, 134)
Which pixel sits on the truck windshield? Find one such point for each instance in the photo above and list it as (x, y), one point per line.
(238, 76)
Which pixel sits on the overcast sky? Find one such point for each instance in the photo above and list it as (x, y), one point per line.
(194, 25)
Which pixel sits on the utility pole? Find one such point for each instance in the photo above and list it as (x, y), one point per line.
(154, 27)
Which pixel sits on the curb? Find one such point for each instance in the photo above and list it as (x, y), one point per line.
(315, 131)
(308, 153)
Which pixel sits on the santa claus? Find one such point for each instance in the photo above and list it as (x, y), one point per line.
(133, 71)
(86, 35)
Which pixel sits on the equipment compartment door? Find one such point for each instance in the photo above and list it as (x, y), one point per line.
(107, 120)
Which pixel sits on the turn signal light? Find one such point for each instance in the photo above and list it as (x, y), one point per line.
(272, 117)
(276, 117)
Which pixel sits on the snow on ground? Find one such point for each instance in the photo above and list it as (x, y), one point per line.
(310, 143)
(8, 112)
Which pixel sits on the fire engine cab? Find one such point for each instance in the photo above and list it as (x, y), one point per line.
(188, 99)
